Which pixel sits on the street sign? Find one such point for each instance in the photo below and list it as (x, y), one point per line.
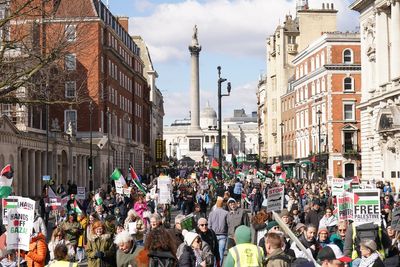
(46, 177)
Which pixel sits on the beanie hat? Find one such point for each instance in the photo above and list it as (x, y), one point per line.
(271, 225)
(369, 243)
(231, 200)
(189, 237)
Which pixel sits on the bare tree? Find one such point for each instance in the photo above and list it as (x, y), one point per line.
(39, 39)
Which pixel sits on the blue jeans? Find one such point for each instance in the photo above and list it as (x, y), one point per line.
(221, 246)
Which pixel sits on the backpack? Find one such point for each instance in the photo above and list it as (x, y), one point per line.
(369, 231)
(161, 259)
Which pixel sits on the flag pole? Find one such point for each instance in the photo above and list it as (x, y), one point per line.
(19, 255)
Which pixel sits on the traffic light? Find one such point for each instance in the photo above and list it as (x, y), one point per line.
(90, 164)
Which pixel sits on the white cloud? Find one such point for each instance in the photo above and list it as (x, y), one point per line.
(236, 27)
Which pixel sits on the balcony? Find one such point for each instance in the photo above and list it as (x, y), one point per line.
(350, 151)
(292, 48)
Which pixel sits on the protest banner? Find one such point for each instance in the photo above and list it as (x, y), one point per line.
(81, 193)
(345, 206)
(118, 187)
(337, 186)
(20, 224)
(7, 204)
(275, 199)
(164, 195)
(55, 203)
(367, 207)
(127, 191)
(396, 219)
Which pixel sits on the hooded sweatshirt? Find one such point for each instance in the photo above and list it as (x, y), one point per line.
(37, 251)
(242, 236)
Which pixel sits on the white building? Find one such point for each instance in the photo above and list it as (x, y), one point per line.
(239, 135)
(380, 102)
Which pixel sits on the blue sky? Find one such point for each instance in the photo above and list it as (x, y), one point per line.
(232, 34)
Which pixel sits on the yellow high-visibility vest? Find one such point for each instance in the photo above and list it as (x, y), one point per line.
(247, 255)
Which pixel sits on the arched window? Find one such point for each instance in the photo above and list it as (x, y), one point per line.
(348, 84)
(347, 56)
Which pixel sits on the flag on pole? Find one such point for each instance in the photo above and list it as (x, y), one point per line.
(214, 164)
(76, 207)
(117, 176)
(6, 179)
(224, 174)
(99, 199)
(132, 172)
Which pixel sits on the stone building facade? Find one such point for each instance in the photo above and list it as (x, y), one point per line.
(282, 46)
(380, 103)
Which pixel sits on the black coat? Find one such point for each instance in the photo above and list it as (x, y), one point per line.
(211, 239)
(187, 259)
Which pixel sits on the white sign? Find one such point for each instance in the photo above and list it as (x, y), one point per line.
(275, 199)
(7, 204)
(337, 186)
(81, 193)
(163, 181)
(20, 224)
(164, 196)
(367, 208)
(118, 187)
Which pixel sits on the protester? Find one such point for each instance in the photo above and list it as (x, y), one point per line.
(161, 247)
(314, 215)
(244, 253)
(72, 229)
(276, 257)
(128, 253)
(308, 239)
(328, 221)
(332, 256)
(37, 250)
(217, 221)
(100, 249)
(369, 255)
(155, 221)
(135, 226)
(208, 236)
(57, 238)
(236, 216)
(62, 257)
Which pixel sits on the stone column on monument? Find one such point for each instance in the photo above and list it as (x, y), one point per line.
(382, 50)
(195, 49)
(395, 47)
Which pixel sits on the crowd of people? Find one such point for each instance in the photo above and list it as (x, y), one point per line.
(218, 224)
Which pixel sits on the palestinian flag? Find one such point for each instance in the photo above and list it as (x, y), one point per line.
(282, 178)
(214, 164)
(117, 176)
(132, 172)
(366, 198)
(77, 209)
(224, 174)
(10, 203)
(210, 175)
(99, 199)
(6, 179)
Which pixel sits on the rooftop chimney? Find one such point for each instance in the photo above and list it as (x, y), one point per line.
(124, 21)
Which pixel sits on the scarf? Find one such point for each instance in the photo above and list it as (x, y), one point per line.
(366, 262)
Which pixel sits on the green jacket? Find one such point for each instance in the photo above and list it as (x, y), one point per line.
(103, 243)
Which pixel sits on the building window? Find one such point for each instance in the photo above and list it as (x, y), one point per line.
(70, 118)
(347, 56)
(348, 109)
(70, 62)
(70, 89)
(70, 33)
(348, 84)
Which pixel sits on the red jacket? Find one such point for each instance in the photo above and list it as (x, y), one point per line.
(37, 251)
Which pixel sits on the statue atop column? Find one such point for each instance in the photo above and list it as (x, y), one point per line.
(195, 41)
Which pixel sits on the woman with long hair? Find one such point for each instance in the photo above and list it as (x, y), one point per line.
(58, 237)
(161, 247)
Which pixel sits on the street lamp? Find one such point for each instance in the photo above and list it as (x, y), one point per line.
(90, 165)
(319, 114)
(220, 95)
(282, 125)
(170, 155)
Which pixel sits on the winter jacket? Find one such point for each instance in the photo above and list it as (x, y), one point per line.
(137, 256)
(82, 236)
(104, 244)
(211, 239)
(217, 221)
(52, 245)
(313, 217)
(187, 259)
(236, 218)
(72, 231)
(36, 256)
(273, 261)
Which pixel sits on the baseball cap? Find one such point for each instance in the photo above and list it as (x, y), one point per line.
(332, 252)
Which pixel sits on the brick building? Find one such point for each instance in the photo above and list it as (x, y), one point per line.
(97, 88)
(327, 88)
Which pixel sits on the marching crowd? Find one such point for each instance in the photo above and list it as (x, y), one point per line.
(221, 224)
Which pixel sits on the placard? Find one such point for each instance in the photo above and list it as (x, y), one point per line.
(345, 206)
(367, 206)
(81, 193)
(275, 199)
(20, 224)
(188, 223)
(7, 204)
(337, 186)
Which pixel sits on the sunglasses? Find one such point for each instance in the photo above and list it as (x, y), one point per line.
(342, 230)
(205, 224)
